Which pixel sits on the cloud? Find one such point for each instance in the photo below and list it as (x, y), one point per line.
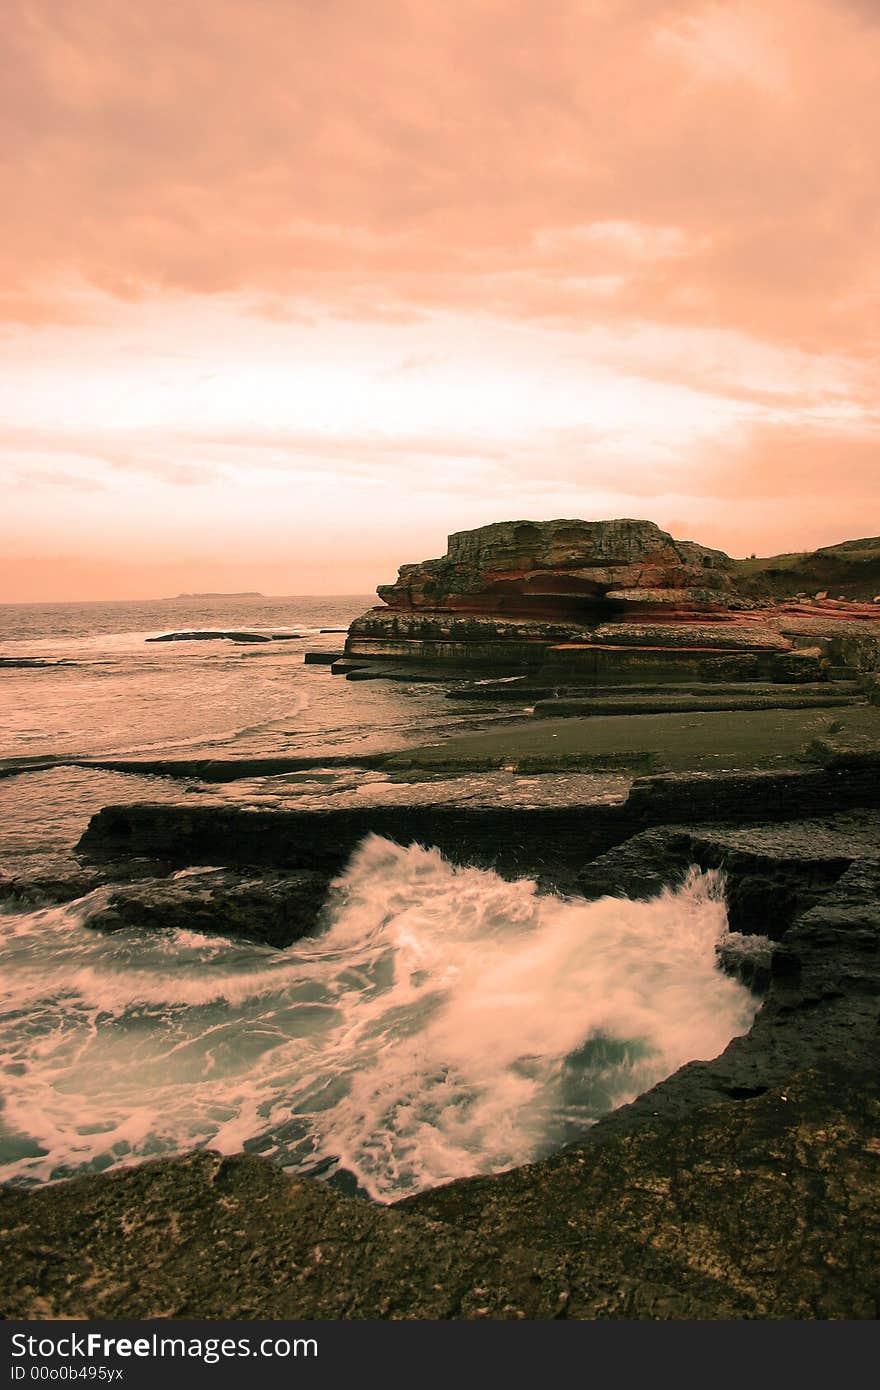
(823, 468)
(698, 163)
(285, 269)
(731, 42)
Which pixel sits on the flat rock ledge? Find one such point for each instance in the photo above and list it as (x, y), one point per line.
(768, 1208)
(745, 1186)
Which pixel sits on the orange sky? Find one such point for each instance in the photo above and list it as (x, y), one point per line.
(291, 288)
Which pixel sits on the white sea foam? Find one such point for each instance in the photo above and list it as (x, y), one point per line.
(447, 1023)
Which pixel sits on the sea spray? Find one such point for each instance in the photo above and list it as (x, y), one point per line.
(447, 1022)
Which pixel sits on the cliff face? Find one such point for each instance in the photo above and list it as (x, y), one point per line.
(609, 602)
(581, 571)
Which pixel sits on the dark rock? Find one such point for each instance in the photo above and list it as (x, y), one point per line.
(48, 885)
(215, 769)
(728, 1193)
(668, 798)
(344, 666)
(522, 689)
(49, 879)
(553, 840)
(409, 674)
(517, 690)
(26, 662)
(762, 1205)
(274, 909)
(798, 666)
(211, 635)
(749, 962)
(772, 873)
(823, 998)
(581, 707)
(16, 767)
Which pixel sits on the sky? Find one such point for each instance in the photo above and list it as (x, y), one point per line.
(290, 289)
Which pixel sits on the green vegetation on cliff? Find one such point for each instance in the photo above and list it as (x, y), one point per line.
(851, 569)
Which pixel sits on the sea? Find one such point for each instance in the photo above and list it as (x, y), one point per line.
(444, 1022)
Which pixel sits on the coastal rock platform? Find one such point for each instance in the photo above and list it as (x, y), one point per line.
(743, 1187)
(762, 1207)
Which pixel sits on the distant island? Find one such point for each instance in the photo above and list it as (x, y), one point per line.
(245, 593)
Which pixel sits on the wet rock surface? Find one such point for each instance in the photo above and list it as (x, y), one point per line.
(812, 888)
(550, 834)
(273, 909)
(224, 635)
(762, 1208)
(56, 879)
(810, 885)
(772, 872)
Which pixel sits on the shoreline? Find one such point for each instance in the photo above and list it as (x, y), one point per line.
(799, 843)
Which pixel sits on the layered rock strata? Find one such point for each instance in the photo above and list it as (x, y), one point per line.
(602, 602)
(564, 569)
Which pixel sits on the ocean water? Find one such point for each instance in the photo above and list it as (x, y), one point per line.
(445, 1022)
(119, 693)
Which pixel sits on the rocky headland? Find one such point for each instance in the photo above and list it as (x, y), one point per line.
(616, 603)
(651, 706)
